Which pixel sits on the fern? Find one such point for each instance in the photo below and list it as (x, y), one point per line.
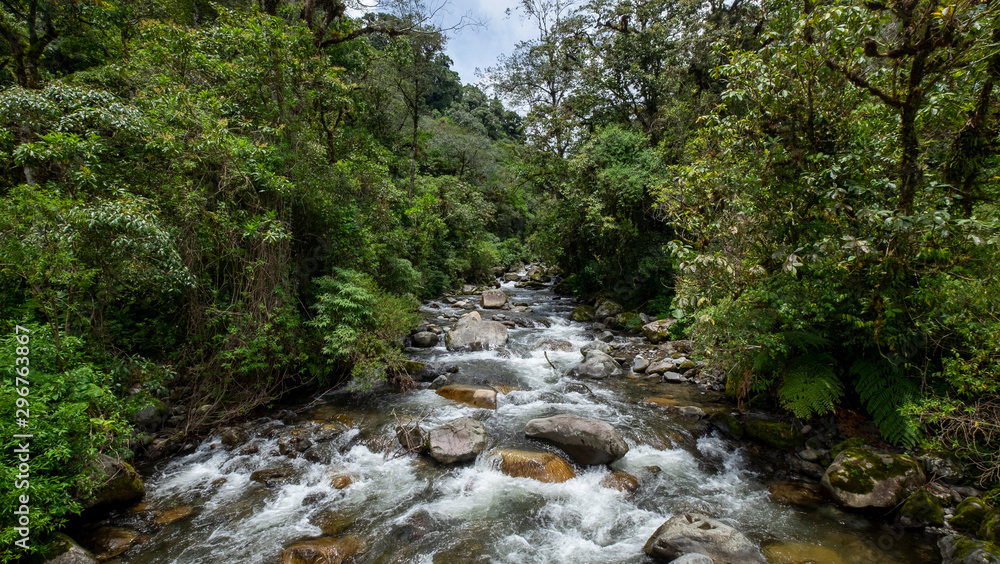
(811, 386)
(885, 390)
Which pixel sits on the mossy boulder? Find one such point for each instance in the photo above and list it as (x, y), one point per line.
(120, 484)
(582, 314)
(775, 434)
(853, 442)
(621, 320)
(956, 549)
(920, 510)
(970, 514)
(606, 308)
(728, 424)
(565, 286)
(861, 477)
(990, 529)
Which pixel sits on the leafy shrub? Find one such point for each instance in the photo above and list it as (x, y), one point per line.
(74, 417)
(361, 325)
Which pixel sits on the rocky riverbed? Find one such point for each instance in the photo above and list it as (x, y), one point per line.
(541, 432)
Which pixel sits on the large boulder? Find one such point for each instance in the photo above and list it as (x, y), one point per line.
(151, 417)
(324, 550)
(472, 333)
(587, 441)
(990, 529)
(476, 396)
(596, 365)
(956, 549)
(456, 441)
(493, 299)
(861, 477)
(691, 532)
(541, 466)
(120, 484)
(658, 331)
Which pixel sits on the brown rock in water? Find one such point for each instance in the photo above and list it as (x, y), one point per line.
(796, 493)
(476, 396)
(325, 550)
(621, 481)
(660, 402)
(108, 542)
(801, 553)
(176, 514)
(541, 466)
(341, 481)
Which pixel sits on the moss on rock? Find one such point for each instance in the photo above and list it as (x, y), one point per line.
(853, 442)
(775, 434)
(921, 509)
(728, 424)
(861, 477)
(969, 514)
(582, 314)
(990, 529)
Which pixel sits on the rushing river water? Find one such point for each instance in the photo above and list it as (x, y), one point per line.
(407, 508)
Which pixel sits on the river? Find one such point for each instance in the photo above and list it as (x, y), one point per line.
(407, 508)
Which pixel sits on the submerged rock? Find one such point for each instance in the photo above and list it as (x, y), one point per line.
(323, 550)
(860, 477)
(796, 493)
(272, 476)
(173, 515)
(472, 333)
(801, 553)
(541, 466)
(692, 532)
(476, 396)
(456, 441)
(587, 441)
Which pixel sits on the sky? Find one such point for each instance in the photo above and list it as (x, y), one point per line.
(472, 48)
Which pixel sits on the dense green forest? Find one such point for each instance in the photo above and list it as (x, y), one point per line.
(227, 202)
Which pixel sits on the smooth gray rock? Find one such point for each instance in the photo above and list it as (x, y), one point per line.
(695, 533)
(493, 299)
(596, 365)
(595, 346)
(64, 550)
(456, 441)
(640, 364)
(693, 558)
(472, 333)
(587, 441)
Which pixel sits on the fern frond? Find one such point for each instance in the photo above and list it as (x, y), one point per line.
(885, 390)
(811, 386)
(804, 340)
